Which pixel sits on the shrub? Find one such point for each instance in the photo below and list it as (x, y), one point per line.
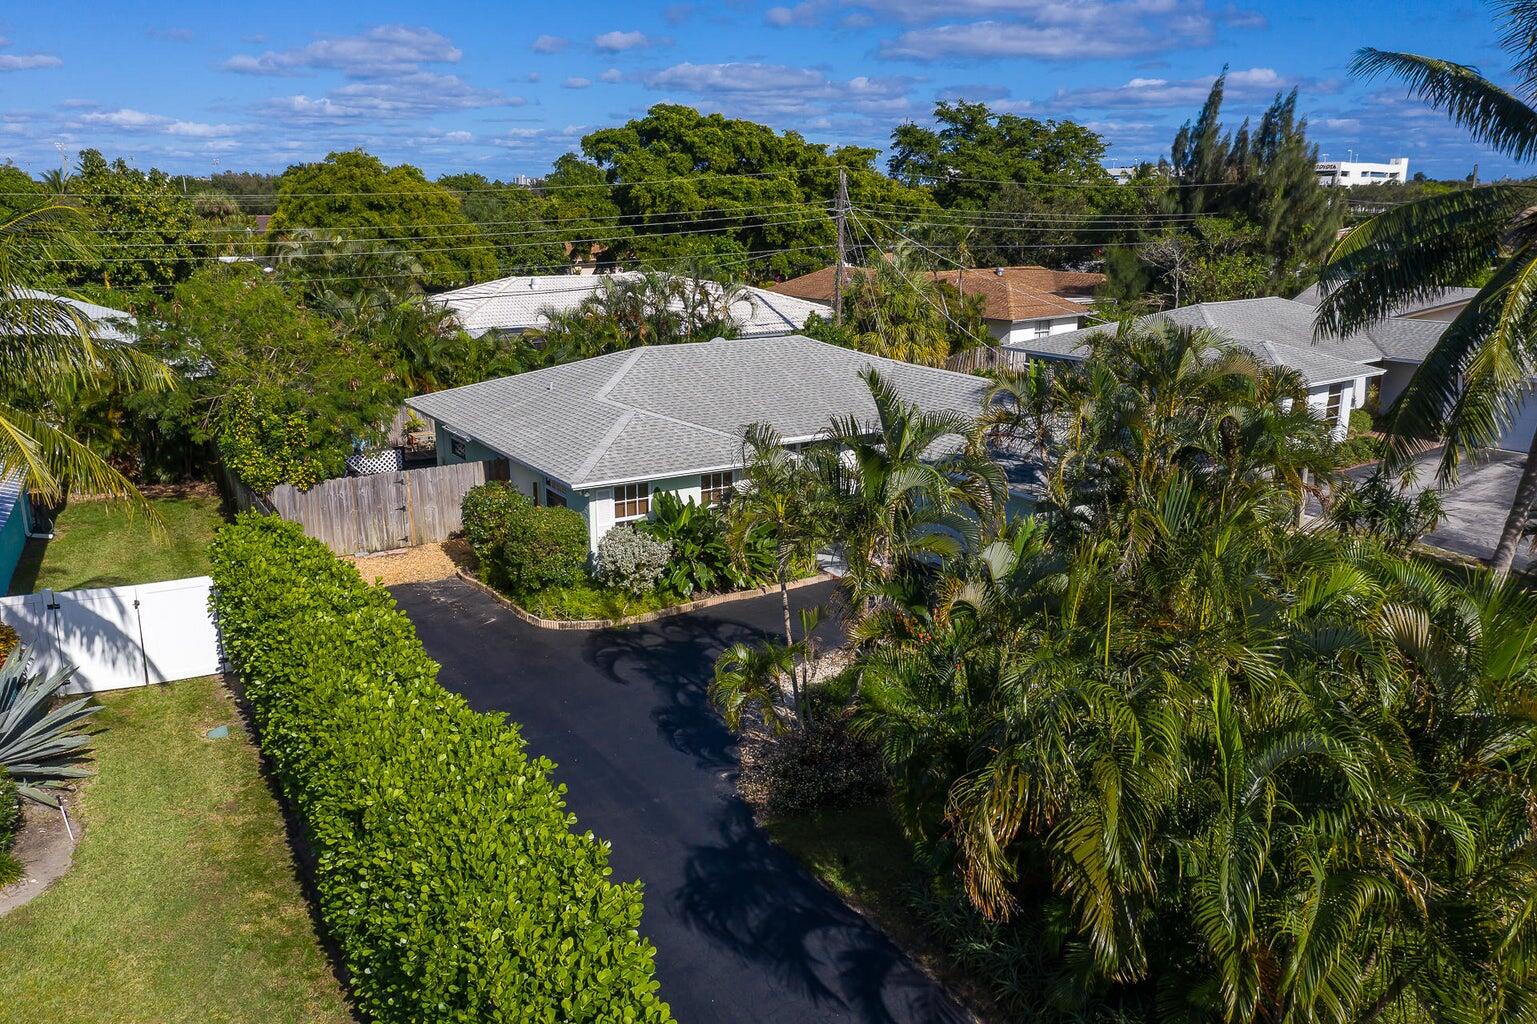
(821, 766)
(1376, 508)
(10, 824)
(1361, 422)
(9, 641)
(546, 547)
(10, 810)
(42, 740)
(631, 561)
(447, 868)
(701, 559)
(489, 511)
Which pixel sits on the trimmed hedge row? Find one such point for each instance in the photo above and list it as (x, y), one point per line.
(447, 869)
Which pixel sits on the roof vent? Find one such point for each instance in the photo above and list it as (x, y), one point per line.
(533, 283)
(998, 271)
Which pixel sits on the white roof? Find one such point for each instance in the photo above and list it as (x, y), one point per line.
(517, 304)
(110, 324)
(661, 411)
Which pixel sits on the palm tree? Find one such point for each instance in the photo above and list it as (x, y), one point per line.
(50, 355)
(778, 493)
(751, 676)
(1470, 386)
(895, 491)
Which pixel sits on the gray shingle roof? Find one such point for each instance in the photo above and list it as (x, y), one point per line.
(1443, 297)
(676, 410)
(1279, 331)
(518, 304)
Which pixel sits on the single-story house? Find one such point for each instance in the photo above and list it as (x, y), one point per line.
(516, 305)
(1444, 305)
(603, 435)
(1018, 303)
(1280, 332)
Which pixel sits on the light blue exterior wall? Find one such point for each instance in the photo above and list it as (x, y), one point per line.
(15, 521)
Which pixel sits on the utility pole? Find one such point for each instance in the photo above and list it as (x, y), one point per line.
(840, 215)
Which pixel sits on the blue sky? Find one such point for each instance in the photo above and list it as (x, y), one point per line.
(503, 88)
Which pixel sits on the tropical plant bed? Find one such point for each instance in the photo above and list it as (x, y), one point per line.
(550, 608)
(183, 903)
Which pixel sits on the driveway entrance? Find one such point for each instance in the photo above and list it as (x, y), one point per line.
(743, 932)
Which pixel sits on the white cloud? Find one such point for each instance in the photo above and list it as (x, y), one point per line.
(1046, 29)
(780, 91)
(28, 61)
(458, 137)
(576, 82)
(550, 44)
(802, 14)
(382, 50)
(128, 119)
(1159, 92)
(611, 75)
(417, 94)
(616, 41)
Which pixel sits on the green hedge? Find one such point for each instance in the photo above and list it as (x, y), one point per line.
(447, 868)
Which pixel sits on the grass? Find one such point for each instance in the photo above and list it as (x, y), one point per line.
(102, 544)
(183, 904)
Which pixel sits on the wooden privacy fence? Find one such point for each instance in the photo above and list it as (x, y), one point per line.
(385, 510)
(987, 357)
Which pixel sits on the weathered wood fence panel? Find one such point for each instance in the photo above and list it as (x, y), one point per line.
(385, 510)
(987, 357)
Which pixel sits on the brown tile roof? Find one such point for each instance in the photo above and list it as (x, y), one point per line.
(1015, 293)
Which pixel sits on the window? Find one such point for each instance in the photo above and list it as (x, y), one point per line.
(632, 501)
(714, 487)
(1336, 399)
(552, 496)
(456, 446)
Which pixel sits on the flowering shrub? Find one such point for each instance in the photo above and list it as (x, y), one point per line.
(631, 561)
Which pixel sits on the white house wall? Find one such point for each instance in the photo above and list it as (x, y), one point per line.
(600, 503)
(1021, 331)
(522, 477)
(1519, 437)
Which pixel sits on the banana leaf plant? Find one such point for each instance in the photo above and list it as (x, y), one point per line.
(41, 745)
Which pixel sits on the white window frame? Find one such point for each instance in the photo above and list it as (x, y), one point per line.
(720, 490)
(644, 495)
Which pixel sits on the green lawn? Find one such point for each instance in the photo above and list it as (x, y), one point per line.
(183, 904)
(100, 544)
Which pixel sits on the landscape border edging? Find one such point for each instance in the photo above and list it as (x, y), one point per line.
(635, 620)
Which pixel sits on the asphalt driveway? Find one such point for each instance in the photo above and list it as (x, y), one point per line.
(742, 931)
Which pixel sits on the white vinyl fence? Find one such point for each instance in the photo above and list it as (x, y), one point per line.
(118, 637)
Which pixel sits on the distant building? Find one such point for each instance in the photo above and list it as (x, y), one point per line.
(1350, 173)
(1017, 302)
(1121, 174)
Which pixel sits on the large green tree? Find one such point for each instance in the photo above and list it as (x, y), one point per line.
(276, 389)
(691, 187)
(1472, 383)
(354, 196)
(972, 150)
(524, 227)
(150, 230)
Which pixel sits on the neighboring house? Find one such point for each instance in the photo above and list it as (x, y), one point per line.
(516, 305)
(15, 524)
(603, 435)
(108, 324)
(1350, 173)
(1019, 303)
(1443, 306)
(1279, 332)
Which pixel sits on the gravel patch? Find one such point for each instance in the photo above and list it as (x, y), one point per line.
(406, 565)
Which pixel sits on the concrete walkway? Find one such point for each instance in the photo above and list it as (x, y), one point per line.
(1476, 508)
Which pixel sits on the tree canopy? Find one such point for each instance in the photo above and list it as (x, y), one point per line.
(354, 195)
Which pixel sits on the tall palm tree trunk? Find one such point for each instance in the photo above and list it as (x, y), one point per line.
(1526, 494)
(795, 681)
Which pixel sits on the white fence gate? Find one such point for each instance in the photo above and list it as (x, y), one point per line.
(118, 637)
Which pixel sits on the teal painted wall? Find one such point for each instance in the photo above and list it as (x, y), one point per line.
(14, 515)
